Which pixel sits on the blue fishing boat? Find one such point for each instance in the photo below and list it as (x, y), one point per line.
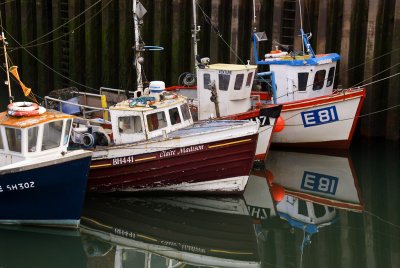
(41, 182)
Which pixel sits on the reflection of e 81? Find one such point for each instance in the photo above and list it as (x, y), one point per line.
(319, 183)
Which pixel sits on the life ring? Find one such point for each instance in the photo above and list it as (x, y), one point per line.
(24, 106)
(19, 113)
(276, 54)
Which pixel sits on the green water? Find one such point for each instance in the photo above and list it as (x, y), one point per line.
(359, 228)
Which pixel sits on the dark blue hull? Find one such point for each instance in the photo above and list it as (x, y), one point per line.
(50, 193)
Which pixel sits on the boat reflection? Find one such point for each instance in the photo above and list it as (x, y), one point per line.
(23, 246)
(302, 191)
(169, 231)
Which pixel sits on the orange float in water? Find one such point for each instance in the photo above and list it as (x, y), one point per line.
(280, 124)
(278, 192)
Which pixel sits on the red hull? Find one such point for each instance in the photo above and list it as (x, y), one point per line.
(214, 161)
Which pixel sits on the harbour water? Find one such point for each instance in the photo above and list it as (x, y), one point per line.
(301, 210)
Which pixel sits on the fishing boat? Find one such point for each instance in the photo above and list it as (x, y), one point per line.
(151, 143)
(223, 91)
(41, 181)
(172, 230)
(315, 114)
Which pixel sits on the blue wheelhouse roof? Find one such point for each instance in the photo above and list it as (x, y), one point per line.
(318, 60)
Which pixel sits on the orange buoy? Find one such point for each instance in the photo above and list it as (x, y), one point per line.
(279, 124)
(278, 192)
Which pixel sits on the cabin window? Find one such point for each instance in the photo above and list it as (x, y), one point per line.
(156, 121)
(174, 116)
(303, 78)
(302, 207)
(331, 76)
(319, 80)
(67, 130)
(13, 139)
(207, 80)
(238, 82)
(32, 138)
(52, 135)
(185, 112)
(130, 124)
(331, 209)
(249, 79)
(319, 210)
(224, 81)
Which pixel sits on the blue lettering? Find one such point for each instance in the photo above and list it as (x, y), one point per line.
(319, 116)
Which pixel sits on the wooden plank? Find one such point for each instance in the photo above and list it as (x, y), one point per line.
(322, 26)
(125, 42)
(367, 127)
(348, 8)
(109, 46)
(57, 45)
(28, 68)
(43, 21)
(277, 20)
(177, 36)
(393, 116)
(234, 31)
(93, 61)
(76, 44)
(214, 39)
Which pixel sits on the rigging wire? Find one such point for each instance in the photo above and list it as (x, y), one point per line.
(48, 67)
(208, 20)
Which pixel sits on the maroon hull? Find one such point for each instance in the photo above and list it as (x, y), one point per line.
(200, 163)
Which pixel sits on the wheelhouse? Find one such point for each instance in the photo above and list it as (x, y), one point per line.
(233, 84)
(133, 124)
(29, 137)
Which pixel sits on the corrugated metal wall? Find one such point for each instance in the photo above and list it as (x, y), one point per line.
(88, 43)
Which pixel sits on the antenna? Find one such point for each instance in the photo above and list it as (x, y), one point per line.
(3, 38)
(301, 25)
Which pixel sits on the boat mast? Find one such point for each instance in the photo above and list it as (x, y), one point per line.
(195, 31)
(3, 38)
(138, 47)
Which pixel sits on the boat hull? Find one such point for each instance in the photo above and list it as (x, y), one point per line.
(324, 122)
(266, 116)
(49, 192)
(219, 167)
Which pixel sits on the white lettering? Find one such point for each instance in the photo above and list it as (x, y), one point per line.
(19, 186)
(1, 189)
(324, 116)
(309, 118)
(309, 181)
(167, 153)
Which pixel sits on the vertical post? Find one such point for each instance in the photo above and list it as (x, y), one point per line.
(234, 42)
(348, 7)
(322, 23)
(367, 126)
(6, 62)
(277, 20)
(393, 116)
(214, 51)
(195, 31)
(138, 49)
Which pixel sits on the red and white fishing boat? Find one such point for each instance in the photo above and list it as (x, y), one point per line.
(151, 142)
(315, 114)
(224, 91)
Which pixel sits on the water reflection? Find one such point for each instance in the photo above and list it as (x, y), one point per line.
(22, 247)
(301, 210)
(170, 231)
